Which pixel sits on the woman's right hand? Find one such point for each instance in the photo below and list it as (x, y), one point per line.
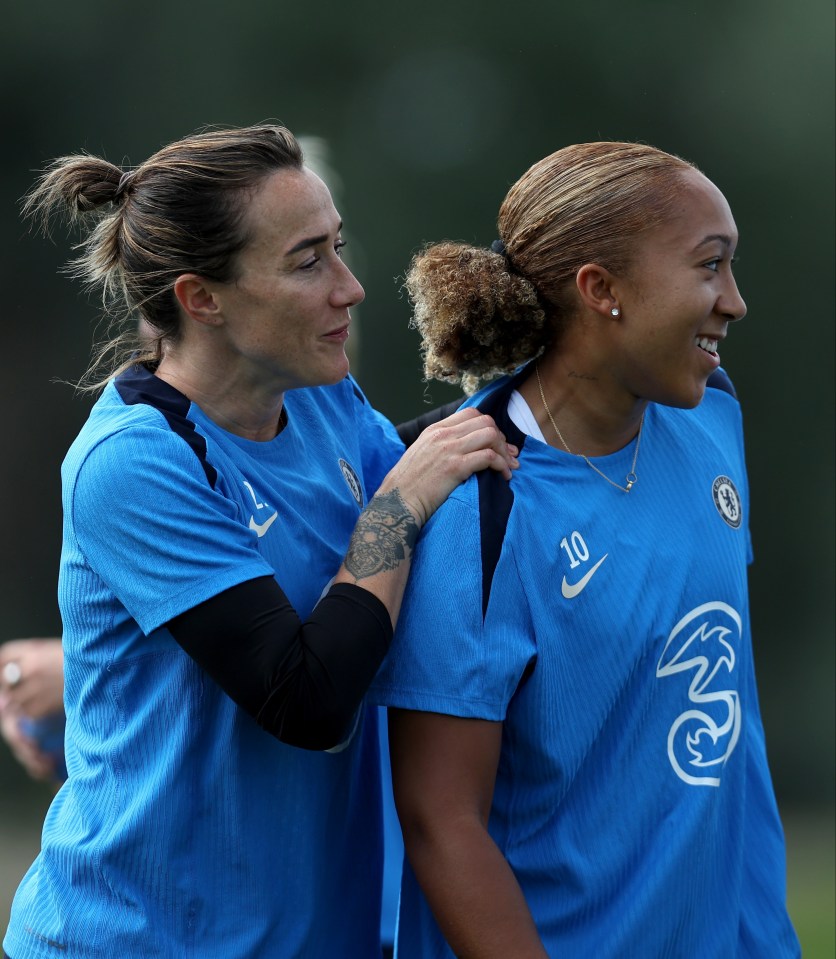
(445, 455)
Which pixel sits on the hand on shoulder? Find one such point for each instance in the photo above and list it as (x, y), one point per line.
(445, 455)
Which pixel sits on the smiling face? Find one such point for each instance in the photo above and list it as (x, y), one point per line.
(678, 299)
(285, 318)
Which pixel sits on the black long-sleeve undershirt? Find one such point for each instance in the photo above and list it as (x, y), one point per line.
(302, 682)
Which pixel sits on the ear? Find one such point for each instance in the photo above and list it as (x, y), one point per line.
(196, 298)
(596, 289)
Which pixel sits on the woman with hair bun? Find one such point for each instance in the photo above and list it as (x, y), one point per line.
(238, 529)
(577, 751)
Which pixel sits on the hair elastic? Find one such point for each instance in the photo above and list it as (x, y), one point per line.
(124, 183)
(499, 247)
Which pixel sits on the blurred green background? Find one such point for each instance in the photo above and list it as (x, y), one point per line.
(425, 115)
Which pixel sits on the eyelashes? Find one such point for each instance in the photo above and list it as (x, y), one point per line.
(714, 265)
(310, 264)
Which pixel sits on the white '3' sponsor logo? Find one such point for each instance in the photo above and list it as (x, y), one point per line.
(260, 528)
(701, 739)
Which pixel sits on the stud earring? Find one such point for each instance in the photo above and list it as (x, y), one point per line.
(615, 311)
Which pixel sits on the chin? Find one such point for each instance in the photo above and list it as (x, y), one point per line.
(681, 399)
(336, 374)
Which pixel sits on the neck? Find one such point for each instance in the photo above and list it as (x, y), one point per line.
(237, 407)
(594, 417)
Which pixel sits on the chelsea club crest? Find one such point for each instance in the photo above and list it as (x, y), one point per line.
(727, 501)
(353, 481)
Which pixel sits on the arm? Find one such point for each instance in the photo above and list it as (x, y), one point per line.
(25, 750)
(303, 682)
(444, 770)
(443, 456)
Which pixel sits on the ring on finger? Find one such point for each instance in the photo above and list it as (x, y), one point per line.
(12, 674)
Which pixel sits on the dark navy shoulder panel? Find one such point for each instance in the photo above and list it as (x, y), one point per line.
(496, 498)
(139, 385)
(411, 430)
(719, 380)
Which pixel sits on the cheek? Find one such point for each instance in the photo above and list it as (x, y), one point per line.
(657, 334)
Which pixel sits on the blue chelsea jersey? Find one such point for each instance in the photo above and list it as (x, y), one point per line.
(184, 829)
(609, 632)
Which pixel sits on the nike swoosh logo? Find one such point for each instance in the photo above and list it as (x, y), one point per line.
(261, 528)
(571, 590)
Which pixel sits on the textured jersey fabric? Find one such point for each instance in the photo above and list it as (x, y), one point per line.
(609, 632)
(184, 830)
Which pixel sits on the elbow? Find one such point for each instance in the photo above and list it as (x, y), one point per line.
(423, 829)
(316, 731)
(314, 707)
(432, 833)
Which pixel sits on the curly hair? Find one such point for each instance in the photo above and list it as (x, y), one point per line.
(181, 211)
(477, 319)
(483, 314)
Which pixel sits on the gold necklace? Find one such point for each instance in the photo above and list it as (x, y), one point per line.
(631, 477)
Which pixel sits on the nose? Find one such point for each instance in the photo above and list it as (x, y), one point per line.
(731, 304)
(347, 290)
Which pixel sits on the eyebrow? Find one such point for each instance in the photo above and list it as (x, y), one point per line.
(311, 241)
(714, 237)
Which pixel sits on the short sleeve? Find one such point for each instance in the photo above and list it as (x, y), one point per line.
(445, 657)
(149, 524)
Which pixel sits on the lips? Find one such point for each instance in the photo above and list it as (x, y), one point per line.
(341, 333)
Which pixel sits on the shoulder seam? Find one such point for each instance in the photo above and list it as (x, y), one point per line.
(139, 386)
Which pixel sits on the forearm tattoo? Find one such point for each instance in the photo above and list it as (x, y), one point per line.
(384, 533)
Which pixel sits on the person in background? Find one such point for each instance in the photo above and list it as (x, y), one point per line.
(32, 705)
(577, 751)
(238, 530)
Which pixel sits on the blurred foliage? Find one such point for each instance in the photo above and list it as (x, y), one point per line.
(429, 112)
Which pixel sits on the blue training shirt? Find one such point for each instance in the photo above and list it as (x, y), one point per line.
(609, 633)
(185, 830)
